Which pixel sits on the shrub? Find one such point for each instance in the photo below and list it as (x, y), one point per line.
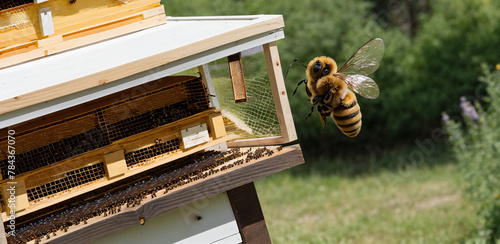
(475, 142)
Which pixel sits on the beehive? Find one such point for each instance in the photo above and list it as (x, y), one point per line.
(129, 136)
(35, 28)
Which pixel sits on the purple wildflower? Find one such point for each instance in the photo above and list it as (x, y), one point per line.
(445, 117)
(468, 109)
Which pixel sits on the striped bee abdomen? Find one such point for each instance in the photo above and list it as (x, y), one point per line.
(348, 119)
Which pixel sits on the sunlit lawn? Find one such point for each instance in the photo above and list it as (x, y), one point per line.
(417, 205)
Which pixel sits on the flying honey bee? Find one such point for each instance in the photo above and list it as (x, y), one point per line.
(331, 90)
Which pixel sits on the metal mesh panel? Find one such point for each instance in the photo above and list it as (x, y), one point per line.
(73, 179)
(139, 157)
(14, 15)
(256, 118)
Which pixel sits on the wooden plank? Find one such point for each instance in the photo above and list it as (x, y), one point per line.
(190, 193)
(49, 41)
(237, 78)
(248, 214)
(268, 141)
(274, 70)
(121, 71)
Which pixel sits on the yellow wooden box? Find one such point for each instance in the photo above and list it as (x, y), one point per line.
(38, 29)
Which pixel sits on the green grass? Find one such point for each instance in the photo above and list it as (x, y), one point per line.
(316, 203)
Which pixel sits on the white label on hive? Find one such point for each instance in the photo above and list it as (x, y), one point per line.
(46, 24)
(195, 136)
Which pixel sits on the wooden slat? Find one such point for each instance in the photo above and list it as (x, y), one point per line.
(113, 74)
(248, 214)
(237, 78)
(279, 92)
(193, 192)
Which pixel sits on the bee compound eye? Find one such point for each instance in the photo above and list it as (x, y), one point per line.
(317, 68)
(326, 71)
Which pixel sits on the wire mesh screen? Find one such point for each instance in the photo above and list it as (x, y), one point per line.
(6, 4)
(48, 144)
(73, 179)
(256, 118)
(141, 156)
(14, 15)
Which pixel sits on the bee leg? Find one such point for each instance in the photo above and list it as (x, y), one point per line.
(315, 100)
(327, 96)
(300, 83)
(295, 60)
(322, 116)
(309, 115)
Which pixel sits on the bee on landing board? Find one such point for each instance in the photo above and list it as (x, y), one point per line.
(331, 89)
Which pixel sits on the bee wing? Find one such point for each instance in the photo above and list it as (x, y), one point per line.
(366, 60)
(363, 85)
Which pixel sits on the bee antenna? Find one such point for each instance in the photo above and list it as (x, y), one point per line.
(295, 60)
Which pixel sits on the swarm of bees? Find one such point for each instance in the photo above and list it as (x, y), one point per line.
(331, 89)
(206, 164)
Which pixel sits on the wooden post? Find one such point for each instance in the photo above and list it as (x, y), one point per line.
(279, 92)
(237, 79)
(249, 216)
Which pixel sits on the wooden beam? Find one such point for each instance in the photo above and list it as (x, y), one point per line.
(193, 192)
(248, 214)
(279, 92)
(237, 78)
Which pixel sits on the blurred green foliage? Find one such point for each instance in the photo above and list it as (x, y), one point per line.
(420, 75)
(476, 145)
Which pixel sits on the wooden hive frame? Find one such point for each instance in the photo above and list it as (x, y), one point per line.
(118, 136)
